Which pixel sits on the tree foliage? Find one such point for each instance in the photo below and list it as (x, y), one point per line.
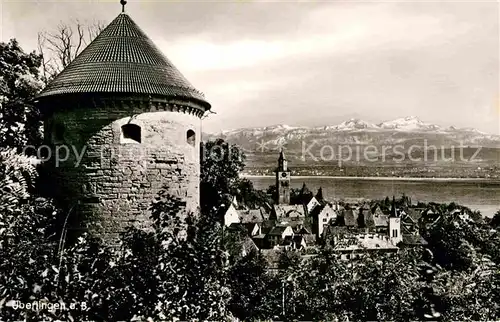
(495, 221)
(221, 164)
(20, 122)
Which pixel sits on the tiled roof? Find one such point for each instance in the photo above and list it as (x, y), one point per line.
(351, 218)
(249, 245)
(364, 241)
(412, 239)
(414, 214)
(381, 220)
(122, 59)
(286, 211)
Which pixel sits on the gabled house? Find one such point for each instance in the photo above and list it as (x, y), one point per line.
(410, 228)
(323, 216)
(299, 242)
(381, 222)
(377, 211)
(380, 219)
(350, 218)
(313, 203)
(410, 220)
(365, 217)
(278, 234)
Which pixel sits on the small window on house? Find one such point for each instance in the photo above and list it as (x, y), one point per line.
(191, 137)
(131, 133)
(324, 219)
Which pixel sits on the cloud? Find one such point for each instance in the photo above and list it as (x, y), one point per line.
(321, 32)
(378, 61)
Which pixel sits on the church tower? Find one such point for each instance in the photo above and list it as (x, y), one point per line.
(282, 181)
(395, 225)
(125, 124)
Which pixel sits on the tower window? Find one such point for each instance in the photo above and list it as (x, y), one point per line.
(131, 133)
(191, 137)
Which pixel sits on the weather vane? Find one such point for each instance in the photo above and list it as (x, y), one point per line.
(123, 3)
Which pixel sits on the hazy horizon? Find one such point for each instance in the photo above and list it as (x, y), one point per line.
(312, 64)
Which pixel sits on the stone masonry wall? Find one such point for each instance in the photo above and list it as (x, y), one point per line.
(117, 181)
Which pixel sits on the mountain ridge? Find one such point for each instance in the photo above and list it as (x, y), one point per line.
(369, 149)
(409, 124)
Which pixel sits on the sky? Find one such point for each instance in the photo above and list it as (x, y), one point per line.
(311, 63)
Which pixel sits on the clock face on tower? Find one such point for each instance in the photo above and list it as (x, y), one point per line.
(284, 174)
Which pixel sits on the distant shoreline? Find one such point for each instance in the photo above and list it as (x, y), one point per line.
(250, 176)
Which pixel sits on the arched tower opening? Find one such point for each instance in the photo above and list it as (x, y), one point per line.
(130, 133)
(191, 137)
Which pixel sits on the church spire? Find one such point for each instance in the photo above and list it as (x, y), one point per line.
(393, 208)
(282, 162)
(282, 155)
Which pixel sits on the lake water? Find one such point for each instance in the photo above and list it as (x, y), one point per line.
(482, 195)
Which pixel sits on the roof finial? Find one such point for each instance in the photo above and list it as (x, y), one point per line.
(123, 3)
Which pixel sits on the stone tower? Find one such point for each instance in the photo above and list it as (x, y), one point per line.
(282, 181)
(123, 123)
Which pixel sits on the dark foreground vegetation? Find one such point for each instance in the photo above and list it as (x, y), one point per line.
(162, 275)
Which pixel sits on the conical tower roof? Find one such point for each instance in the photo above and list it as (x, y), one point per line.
(122, 59)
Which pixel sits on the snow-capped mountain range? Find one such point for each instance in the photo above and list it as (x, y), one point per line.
(406, 131)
